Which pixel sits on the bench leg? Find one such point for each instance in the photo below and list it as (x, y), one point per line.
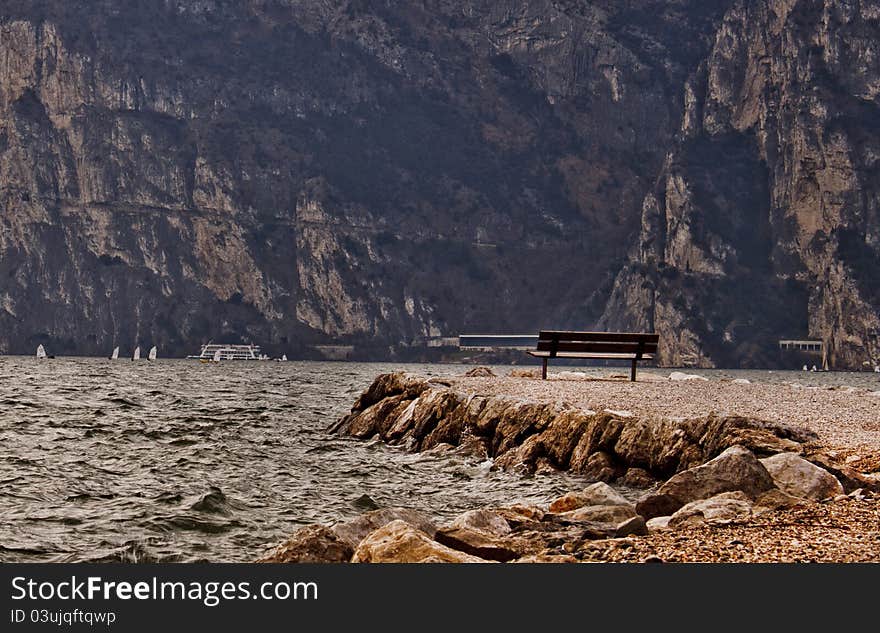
(632, 373)
(544, 370)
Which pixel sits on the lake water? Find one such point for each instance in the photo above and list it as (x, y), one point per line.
(175, 460)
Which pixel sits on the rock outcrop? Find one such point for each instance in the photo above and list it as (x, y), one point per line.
(421, 414)
(789, 97)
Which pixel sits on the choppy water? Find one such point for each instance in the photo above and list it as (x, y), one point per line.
(181, 461)
(177, 460)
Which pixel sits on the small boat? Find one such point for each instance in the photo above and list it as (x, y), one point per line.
(115, 354)
(282, 359)
(152, 354)
(41, 351)
(137, 353)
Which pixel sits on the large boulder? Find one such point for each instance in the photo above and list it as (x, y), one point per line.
(597, 494)
(737, 468)
(798, 477)
(400, 542)
(481, 533)
(354, 531)
(720, 509)
(486, 521)
(602, 514)
(311, 544)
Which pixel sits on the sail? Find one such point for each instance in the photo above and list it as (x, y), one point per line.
(152, 355)
(217, 356)
(284, 357)
(41, 351)
(137, 353)
(115, 353)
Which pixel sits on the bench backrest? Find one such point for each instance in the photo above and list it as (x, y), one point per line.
(637, 343)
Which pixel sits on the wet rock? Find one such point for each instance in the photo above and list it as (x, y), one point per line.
(723, 508)
(354, 531)
(600, 466)
(524, 457)
(440, 449)
(376, 418)
(735, 469)
(400, 542)
(365, 502)
(799, 478)
(637, 478)
(311, 544)
(473, 447)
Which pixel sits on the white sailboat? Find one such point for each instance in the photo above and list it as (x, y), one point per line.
(41, 351)
(115, 354)
(137, 353)
(284, 357)
(152, 354)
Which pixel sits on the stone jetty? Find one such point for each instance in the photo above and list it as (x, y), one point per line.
(705, 478)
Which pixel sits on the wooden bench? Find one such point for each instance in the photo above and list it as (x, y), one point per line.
(634, 346)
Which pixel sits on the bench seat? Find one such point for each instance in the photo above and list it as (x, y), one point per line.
(607, 355)
(632, 346)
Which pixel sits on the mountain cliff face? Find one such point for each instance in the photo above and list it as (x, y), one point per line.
(295, 172)
(763, 223)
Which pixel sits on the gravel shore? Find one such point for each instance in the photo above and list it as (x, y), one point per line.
(845, 531)
(845, 419)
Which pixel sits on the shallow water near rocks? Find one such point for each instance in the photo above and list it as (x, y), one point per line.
(174, 460)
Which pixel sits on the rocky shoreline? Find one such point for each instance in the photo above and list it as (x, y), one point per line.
(757, 490)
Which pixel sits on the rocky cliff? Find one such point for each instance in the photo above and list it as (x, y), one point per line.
(298, 173)
(763, 222)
